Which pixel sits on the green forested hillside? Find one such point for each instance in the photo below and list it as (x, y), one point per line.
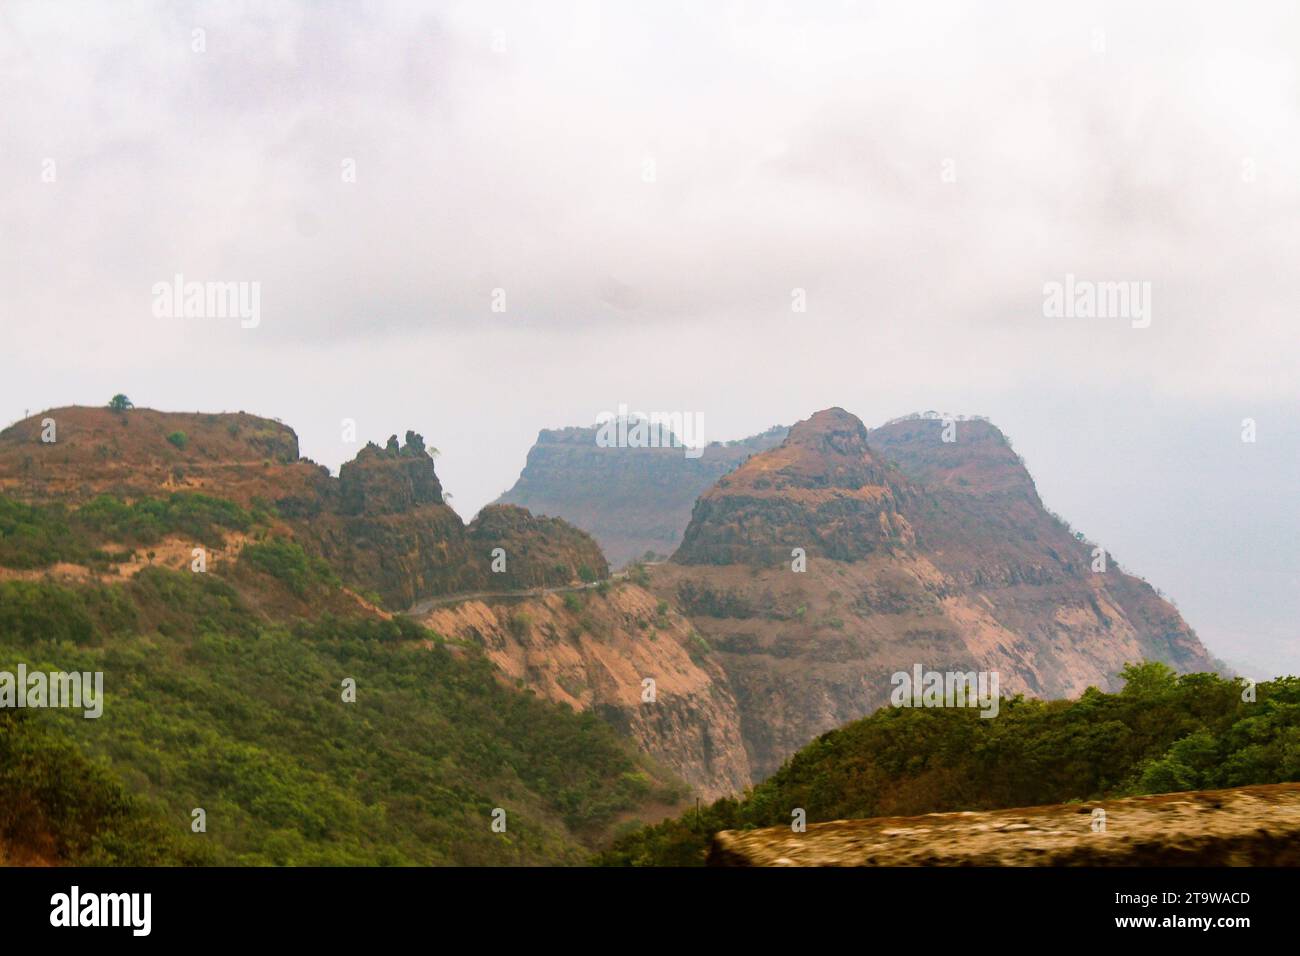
(1161, 733)
(224, 691)
(55, 806)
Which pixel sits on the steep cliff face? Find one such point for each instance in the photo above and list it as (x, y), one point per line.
(989, 530)
(391, 480)
(901, 569)
(595, 650)
(631, 500)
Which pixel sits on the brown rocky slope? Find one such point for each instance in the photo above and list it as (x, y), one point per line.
(594, 650)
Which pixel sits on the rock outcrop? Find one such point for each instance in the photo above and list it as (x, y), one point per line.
(392, 480)
(1244, 826)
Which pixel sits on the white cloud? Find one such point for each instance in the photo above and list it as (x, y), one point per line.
(797, 145)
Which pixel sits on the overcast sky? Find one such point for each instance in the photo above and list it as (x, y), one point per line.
(649, 184)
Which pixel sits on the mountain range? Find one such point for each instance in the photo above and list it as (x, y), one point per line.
(808, 566)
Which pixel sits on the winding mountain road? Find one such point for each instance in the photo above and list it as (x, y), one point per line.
(428, 604)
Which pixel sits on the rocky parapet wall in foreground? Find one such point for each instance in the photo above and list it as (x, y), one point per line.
(1245, 826)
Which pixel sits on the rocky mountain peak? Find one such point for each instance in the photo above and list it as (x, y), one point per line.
(821, 490)
(830, 424)
(827, 450)
(390, 480)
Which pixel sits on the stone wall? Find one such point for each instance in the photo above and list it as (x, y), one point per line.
(1245, 826)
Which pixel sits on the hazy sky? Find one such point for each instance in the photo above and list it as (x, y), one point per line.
(648, 184)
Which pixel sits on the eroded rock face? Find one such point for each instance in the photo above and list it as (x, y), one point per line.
(1244, 826)
(595, 651)
(390, 480)
(948, 560)
(631, 500)
(986, 529)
